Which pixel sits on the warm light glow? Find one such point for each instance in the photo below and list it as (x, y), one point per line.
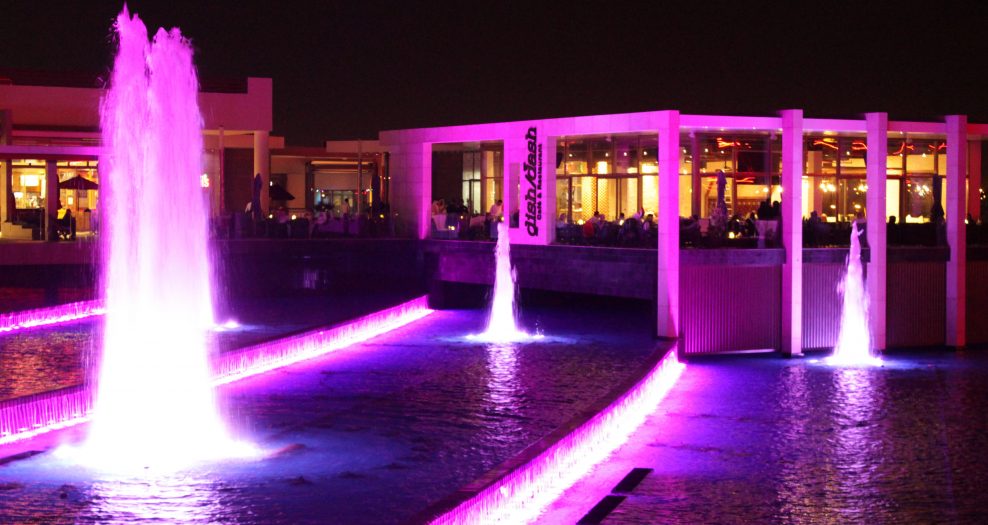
(204, 180)
(30, 180)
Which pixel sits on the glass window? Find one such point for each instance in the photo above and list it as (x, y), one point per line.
(492, 177)
(29, 183)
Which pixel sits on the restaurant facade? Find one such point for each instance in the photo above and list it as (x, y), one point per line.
(556, 172)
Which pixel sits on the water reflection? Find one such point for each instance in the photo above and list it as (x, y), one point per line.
(176, 498)
(502, 396)
(857, 443)
(829, 448)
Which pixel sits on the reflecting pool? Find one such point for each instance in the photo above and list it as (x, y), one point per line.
(373, 434)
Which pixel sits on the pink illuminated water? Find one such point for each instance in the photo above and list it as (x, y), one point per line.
(154, 400)
(854, 342)
(501, 323)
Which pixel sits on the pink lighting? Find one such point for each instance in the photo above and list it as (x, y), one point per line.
(520, 492)
(27, 417)
(154, 401)
(269, 356)
(34, 415)
(63, 313)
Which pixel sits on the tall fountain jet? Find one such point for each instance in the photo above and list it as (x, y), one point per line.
(854, 341)
(154, 402)
(501, 324)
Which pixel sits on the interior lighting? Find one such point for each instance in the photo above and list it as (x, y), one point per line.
(204, 180)
(294, 216)
(30, 180)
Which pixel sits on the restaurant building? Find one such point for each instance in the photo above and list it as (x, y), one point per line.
(552, 173)
(50, 144)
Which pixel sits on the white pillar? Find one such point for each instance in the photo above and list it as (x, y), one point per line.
(530, 183)
(956, 238)
(410, 188)
(974, 178)
(792, 232)
(667, 298)
(877, 125)
(262, 165)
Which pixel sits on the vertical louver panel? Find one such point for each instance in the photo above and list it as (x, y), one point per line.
(821, 304)
(916, 314)
(977, 302)
(729, 308)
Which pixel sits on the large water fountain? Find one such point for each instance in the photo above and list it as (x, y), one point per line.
(154, 399)
(854, 340)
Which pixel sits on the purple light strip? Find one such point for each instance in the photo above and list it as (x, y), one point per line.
(64, 313)
(29, 416)
(520, 494)
(257, 359)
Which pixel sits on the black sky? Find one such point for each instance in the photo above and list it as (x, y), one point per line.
(349, 69)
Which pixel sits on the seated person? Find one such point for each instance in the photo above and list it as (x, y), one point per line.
(65, 223)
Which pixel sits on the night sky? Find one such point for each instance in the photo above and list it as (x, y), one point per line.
(347, 70)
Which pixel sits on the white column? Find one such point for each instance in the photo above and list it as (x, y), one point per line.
(410, 169)
(667, 297)
(974, 178)
(262, 165)
(956, 238)
(877, 125)
(792, 232)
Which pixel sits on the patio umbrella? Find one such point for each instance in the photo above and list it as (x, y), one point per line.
(78, 183)
(279, 193)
